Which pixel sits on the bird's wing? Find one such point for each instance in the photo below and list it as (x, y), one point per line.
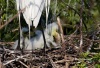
(38, 8)
(25, 4)
(33, 10)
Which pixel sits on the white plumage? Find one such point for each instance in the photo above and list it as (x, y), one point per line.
(37, 41)
(33, 10)
(32, 14)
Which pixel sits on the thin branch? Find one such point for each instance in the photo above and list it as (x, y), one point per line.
(68, 6)
(7, 62)
(12, 18)
(6, 43)
(61, 30)
(81, 24)
(52, 63)
(23, 64)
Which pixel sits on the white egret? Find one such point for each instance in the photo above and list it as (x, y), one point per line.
(33, 11)
(37, 41)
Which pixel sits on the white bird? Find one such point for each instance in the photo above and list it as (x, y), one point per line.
(33, 10)
(37, 41)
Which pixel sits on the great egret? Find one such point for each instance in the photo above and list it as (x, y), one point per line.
(33, 11)
(37, 41)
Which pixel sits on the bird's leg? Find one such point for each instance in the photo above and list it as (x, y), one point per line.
(43, 39)
(32, 30)
(18, 47)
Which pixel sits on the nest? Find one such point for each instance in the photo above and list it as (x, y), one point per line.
(65, 57)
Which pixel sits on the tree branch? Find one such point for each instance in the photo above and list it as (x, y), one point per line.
(12, 18)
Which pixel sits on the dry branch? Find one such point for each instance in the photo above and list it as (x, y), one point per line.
(7, 62)
(6, 43)
(23, 64)
(61, 30)
(16, 15)
(53, 64)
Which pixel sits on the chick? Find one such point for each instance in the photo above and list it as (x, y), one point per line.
(37, 42)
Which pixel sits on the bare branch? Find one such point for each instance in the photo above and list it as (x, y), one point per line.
(12, 18)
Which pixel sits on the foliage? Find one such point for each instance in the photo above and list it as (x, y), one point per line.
(97, 65)
(96, 58)
(81, 65)
(87, 60)
(69, 10)
(84, 55)
(7, 12)
(70, 13)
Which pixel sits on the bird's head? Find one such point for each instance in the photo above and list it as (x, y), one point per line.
(54, 30)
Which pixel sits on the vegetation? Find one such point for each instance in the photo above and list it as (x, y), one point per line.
(78, 18)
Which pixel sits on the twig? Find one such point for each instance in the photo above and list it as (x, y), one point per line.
(61, 30)
(6, 43)
(23, 64)
(81, 24)
(14, 30)
(77, 36)
(71, 60)
(12, 18)
(68, 6)
(1, 66)
(66, 63)
(52, 63)
(7, 62)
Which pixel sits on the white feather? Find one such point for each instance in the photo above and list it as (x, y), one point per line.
(37, 42)
(33, 10)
